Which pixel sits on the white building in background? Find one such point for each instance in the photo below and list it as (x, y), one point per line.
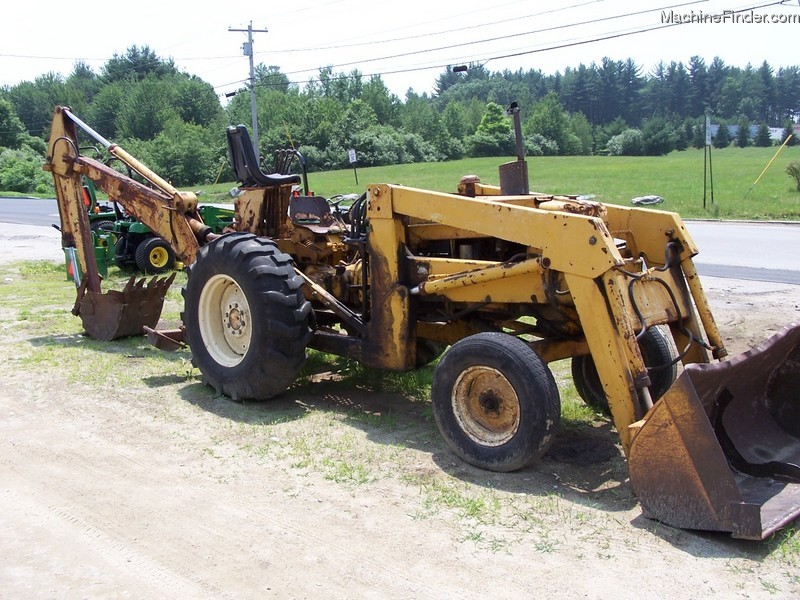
(775, 133)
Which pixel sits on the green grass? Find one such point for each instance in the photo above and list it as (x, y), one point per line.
(677, 177)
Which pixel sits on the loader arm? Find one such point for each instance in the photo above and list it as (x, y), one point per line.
(612, 304)
(719, 449)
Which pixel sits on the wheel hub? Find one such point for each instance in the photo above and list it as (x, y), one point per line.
(489, 403)
(486, 405)
(234, 320)
(158, 257)
(224, 320)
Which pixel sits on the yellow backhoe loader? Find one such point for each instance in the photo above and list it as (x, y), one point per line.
(499, 281)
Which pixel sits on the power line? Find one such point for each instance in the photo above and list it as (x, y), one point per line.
(440, 32)
(332, 47)
(507, 37)
(484, 60)
(619, 34)
(437, 34)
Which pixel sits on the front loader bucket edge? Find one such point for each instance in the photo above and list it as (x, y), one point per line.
(720, 451)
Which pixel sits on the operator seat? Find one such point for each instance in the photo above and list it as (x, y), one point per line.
(245, 163)
(313, 213)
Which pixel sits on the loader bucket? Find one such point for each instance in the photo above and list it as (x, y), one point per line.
(720, 451)
(117, 314)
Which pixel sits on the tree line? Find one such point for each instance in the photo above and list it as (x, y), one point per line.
(174, 121)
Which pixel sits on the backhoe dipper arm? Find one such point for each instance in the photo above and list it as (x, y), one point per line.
(169, 217)
(75, 229)
(170, 213)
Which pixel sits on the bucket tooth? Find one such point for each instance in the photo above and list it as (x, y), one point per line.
(117, 314)
(720, 451)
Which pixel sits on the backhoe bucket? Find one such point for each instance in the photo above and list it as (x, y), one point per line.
(117, 314)
(721, 450)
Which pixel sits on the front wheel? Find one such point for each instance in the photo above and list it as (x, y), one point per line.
(245, 316)
(495, 402)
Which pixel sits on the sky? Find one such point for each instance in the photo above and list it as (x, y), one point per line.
(409, 43)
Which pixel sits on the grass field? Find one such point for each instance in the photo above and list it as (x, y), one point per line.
(677, 177)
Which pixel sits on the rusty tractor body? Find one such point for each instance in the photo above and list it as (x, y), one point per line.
(498, 281)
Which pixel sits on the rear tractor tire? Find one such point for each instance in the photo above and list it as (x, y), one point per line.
(246, 319)
(495, 402)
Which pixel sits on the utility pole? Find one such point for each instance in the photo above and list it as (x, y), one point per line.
(247, 50)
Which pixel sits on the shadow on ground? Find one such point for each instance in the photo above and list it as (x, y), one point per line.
(584, 464)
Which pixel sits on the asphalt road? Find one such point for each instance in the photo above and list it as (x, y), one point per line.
(28, 211)
(745, 250)
(734, 250)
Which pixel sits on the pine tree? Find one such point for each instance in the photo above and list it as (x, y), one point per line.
(762, 139)
(723, 137)
(789, 131)
(743, 134)
(699, 137)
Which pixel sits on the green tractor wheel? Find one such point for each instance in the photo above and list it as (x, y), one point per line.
(154, 255)
(103, 225)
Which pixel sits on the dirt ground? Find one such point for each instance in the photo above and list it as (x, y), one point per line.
(154, 487)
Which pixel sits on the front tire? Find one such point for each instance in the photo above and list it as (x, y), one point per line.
(495, 402)
(245, 316)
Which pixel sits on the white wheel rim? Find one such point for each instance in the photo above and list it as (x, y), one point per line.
(225, 320)
(486, 406)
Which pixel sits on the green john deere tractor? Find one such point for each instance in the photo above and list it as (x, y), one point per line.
(129, 244)
(138, 247)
